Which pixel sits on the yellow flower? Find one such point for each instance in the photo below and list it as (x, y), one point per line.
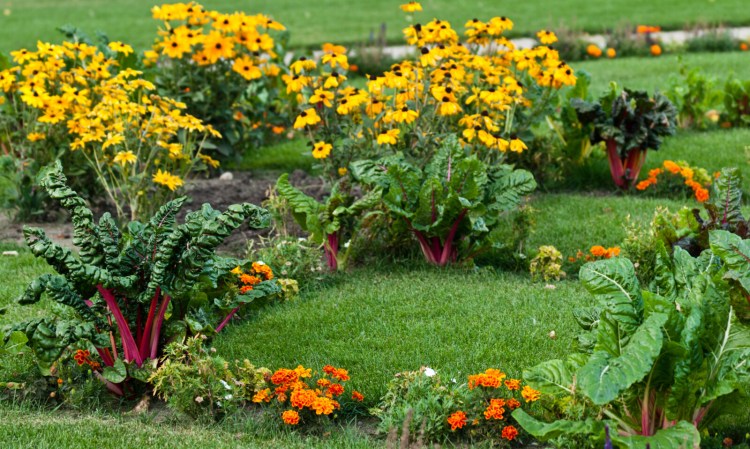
(546, 37)
(517, 146)
(301, 65)
(411, 7)
(404, 115)
(307, 117)
(389, 137)
(175, 46)
(245, 67)
(167, 180)
(322, 96)
(125, 157)
(208, 160)
(33, 137)
(119, 47)
(343, 171)
(321, 150)
(335, 59)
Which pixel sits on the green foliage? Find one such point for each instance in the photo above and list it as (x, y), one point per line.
(675, 353)
(199, 384)
(694, 95)
(333, 222)
(547, 264)
(689, 229)
(146, 285)
(426, 399)
(736, 103)
(454, 205)
(632, 119)
(629, 123)
(289, 256)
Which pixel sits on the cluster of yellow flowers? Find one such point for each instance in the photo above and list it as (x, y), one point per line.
(123, 130)
(472, 88)
(206, 37)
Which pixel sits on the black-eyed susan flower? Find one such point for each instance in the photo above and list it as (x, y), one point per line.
(125, 157)
(247, 68)
(411, 7)
(336, 60)
(307, 117)
(389, 137)
(517, 146)
(546, 37)
(322, 96)
(302, 64)
(404, 115)
(119, 47)
(321, 150)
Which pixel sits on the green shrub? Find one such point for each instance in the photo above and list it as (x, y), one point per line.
(547, 264)
(199, 384)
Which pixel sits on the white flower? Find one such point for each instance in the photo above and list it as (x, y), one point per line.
(429, 372)
(346, 245)
(453, 380)
(228, 397)
(199, 399)
(226, 385)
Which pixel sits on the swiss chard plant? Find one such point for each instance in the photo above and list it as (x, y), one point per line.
(331, 222)
(658, 364)
(689, 228)
(454, 205)
(629, 123)
(129, 292)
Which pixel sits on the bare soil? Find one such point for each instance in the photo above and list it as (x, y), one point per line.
(243, 187)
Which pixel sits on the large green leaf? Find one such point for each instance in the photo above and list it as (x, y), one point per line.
(735, 252)
(605, 377)
(726, 197)
(615, 285)
(15, 342)
(683, 435)
(545, 431)
(550, 377)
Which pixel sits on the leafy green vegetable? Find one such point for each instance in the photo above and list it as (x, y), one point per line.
(630, 123)
(660, 363)
(140, 286)
(454, 205)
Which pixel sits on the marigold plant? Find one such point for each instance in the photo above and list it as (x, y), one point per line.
(224, 67)
(696, 179)
(138, 145)
(486, 411)
(306, 396)
(482, 88)
(596, 252)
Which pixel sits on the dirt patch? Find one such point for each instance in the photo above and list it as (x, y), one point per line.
(240, 187)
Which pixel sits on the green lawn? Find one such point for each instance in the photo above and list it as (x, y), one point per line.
(658, 73)
(347, 21)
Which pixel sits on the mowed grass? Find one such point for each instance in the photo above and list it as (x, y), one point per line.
(22, 23)
(22, 427)
(659, 73)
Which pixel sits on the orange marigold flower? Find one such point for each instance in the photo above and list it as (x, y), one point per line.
(598, 251)
(357, 396)
(672, 167)
(303, 398)
(612, 252)
(324, 383)
(529, 394)
(324, 406)
(284, 376)
(336, 389)
(509, 433)
(290, 417)
(262, 396)
(341, 374)
(495, 410)
(491, 378)
(457, 420)
(249, 279)
(643, 185)
(245, 288)
(656, 50)
(513, 403)
(513, 384)
(701, 195)
(328, 369)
